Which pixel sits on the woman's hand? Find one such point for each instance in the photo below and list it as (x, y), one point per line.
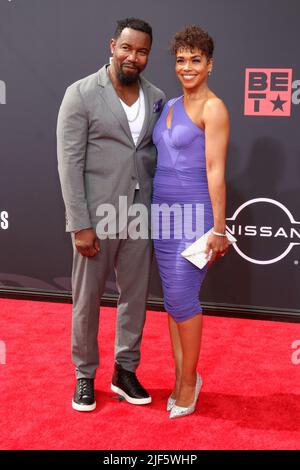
(217, 246)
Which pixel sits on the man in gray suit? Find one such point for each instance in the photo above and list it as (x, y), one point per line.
(105, 151)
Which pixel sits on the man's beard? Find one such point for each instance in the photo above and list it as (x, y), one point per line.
(127, 79)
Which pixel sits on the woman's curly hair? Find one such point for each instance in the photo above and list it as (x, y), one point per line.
(193, 37)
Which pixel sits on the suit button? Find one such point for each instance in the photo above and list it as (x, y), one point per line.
(133, 178)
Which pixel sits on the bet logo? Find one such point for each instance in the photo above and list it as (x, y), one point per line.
(268, 92)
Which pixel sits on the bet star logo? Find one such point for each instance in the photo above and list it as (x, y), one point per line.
(268, 92)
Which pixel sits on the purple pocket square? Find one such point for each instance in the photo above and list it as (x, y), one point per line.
(157, 106)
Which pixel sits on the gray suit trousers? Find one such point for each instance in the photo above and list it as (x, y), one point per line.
(131, 260)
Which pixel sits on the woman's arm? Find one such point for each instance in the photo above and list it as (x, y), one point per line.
(216, 120)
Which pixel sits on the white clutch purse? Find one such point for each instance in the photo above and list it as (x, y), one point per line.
(195, 253)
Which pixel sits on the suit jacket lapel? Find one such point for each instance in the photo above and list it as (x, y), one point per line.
(146, 89)
(110, 96)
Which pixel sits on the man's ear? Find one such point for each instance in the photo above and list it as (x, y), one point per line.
(112, 45)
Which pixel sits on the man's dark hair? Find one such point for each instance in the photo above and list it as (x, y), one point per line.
(133, 23)
(193, 37)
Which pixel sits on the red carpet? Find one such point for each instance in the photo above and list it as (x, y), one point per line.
(250, 398)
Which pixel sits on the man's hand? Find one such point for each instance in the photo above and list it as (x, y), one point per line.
(87, 243)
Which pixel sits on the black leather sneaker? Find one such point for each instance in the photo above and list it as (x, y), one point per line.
(126, 384)
(84, 396)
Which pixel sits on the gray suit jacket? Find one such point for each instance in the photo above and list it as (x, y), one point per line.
(97, 158)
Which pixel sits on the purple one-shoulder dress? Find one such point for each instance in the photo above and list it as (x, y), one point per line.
(180, 179)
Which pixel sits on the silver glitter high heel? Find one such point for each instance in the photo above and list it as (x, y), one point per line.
(170, 403)
(180, 411)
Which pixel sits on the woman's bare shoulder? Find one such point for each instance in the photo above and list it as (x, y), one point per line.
(215, 106)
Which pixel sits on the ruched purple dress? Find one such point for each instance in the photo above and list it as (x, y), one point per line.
(180, 179)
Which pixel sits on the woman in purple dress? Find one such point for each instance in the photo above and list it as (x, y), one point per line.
(191, 137)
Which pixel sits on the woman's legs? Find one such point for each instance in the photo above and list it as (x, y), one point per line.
(177, 354)
(186, 342)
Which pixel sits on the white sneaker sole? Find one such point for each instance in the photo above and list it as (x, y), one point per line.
(133, 401)
(77, 407)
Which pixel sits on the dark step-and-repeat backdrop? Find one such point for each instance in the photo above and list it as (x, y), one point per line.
(45, 45)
